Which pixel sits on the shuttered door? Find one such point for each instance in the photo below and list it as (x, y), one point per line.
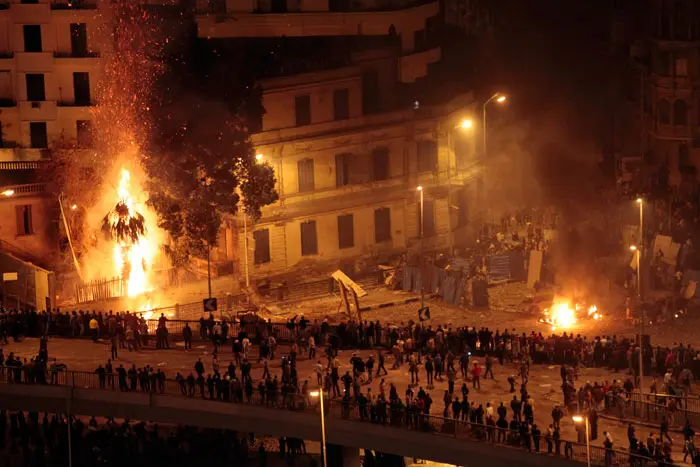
(382, 225)
(380, 163)
(309, 243)
(262, 246)
(346, 234)
(342, 173)
(306, 175)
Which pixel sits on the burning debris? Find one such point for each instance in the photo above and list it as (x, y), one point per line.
(562, 315)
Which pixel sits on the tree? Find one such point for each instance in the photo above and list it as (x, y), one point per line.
(200, 159)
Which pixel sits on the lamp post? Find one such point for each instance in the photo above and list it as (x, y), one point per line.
(319, 394)
(420, 263)
(464, 125)
(258, 160)
(499, 98)
(638, 253)
(579, 419)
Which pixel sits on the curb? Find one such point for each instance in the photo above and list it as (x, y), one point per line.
(395, 303)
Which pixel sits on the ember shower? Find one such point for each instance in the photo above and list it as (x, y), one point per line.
(129, 247)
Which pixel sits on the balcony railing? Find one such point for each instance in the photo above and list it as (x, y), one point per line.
(71, 54)
(22, 190)
(73, 4)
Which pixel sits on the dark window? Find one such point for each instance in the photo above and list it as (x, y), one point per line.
(680, 112)
(341, 104)
(30, 2)
(78, 39)
(278, 6)
(306, 175)
(342, 169)
(346, 233)
(37, 134)
(428, 218)
(370, 92)
(683, 156)
(81, 88)
(662, 64)
(663, 112)
(380, 163)
(309, 244)
(261, 253)
(463, 151)
(302, 110)
(382, 225)
(35, 87)
(32, 38)
(24, 219)
(427, 156)
(84, 128)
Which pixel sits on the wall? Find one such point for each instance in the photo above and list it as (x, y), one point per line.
(43, 242)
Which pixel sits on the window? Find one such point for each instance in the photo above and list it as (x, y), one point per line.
(346, 233)
(663, 63)
(681, 67)
(683, 156)
(261, 253)
(341, 104)
(309, 244)
(370, 92)
(428, 218)
(663, 112)
(84, 130)
(37, 134)
(32, 38)
(30, 2)
(35, 87)
(380, 163)
(342, 169)
(382, 225)
(305, 168)
(302, 110)
(78, 39)
(23, 214)
(427, 156)
(680, 112)
(81, 88)
(6, 89)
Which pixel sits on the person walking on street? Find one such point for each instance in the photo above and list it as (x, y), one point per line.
(489, 367)
(187, 336)
(476, 376)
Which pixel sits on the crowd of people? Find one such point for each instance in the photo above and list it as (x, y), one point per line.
(435, 353)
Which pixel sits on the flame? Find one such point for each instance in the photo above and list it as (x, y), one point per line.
(134, 258)
(561, 315)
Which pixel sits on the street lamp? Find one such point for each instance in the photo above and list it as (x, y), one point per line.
(419, 188)
(466, 124)
(319, 394)
(579, 419)
(638, 253)
(258, 160)
(499, 98)
(258, 157)
(8, 193)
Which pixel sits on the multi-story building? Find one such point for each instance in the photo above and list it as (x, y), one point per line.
(360, 112)
(674, 86)
(49, 67)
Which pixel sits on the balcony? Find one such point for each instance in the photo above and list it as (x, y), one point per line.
(30, 13)
(39, 111)
(414, 66)
(29, 189)
(405, 22)
(34, 62)
(73, 4)
(20, 155)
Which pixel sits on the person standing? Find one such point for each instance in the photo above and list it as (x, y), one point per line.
(489, 367)
(94, 328)
(187, 336)
(114, 339)
(476, 376)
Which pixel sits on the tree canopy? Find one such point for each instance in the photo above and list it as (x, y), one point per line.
(200, 159)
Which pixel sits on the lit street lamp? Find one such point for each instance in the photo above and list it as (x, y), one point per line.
(638, 254)
(464, 124)
(8, 193)
(422, 285)
(319, 394)
(258, 160)
(497, 97)
(579, 419)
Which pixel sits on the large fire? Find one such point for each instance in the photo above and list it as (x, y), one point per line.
(133, 254)
(562, 315)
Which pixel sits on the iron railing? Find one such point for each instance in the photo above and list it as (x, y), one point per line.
(653, 408)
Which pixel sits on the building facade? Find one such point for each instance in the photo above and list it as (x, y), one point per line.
(49, 70)
(352, 141)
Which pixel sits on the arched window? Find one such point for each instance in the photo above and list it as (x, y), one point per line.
(663, 112)
(680, 112)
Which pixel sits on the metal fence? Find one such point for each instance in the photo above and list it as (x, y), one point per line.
(101, 289)
(392, 417)
(653, 408)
